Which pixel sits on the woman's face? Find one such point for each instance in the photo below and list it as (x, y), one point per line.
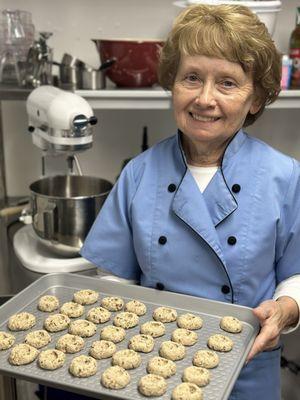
(211, 99)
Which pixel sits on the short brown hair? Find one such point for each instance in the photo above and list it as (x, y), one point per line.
(230, 32)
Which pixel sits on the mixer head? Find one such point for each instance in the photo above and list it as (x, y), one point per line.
(59, 121)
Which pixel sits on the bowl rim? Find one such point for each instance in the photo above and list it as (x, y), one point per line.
(130, 40)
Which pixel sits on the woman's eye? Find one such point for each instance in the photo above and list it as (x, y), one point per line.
(191, 78)
(228, 84)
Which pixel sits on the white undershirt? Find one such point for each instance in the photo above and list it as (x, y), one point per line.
(289, 287)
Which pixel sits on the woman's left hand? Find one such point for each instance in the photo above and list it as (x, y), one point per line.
(273, 316)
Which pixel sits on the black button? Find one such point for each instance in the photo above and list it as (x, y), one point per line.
(160, 286)
(225, 289)
(231, 240)
(162, 240)
(172, 187)
(236, 188)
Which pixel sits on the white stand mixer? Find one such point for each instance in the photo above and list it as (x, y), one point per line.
(59, 122)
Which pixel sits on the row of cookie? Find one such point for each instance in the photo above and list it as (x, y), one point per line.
(49, 303)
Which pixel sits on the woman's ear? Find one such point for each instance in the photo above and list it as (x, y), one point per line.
(257, 103)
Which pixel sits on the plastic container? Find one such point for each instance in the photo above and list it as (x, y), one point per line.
(295, 53)
(287, 63)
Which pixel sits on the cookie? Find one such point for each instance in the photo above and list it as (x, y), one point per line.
(102, 349)
(136, 307)
(56, 322)
(220, 343)
(21, 322)
(82, 327)
(152, 385)
(114, 333)
(48, 303)
(86, 296)
(115, 378)
(83, 366)
(184, 336)
(142, 343)
(165, 314)
(206, 359)
(112, 303)
(189, 321)
(72, 309)
(187, 391)
(6, 340)
(126, 320)
(70, 343)
(38, 339)
(153, 328)
(197, 375)
(98, 315)
(172, 351)
(51, 359)
(22, 354)
(231, 324)
(127, 359)
(161, 366)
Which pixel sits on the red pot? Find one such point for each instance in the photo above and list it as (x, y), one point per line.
(136, 60)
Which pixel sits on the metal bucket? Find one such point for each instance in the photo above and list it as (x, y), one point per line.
(64, 208)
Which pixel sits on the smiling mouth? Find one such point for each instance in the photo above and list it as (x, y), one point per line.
(202, 118)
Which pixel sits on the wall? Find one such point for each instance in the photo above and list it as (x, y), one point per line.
(118, 134)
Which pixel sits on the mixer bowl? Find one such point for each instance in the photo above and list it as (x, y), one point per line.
(135, 60)
(64, 208)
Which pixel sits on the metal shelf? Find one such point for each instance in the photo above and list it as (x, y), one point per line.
(135, 99)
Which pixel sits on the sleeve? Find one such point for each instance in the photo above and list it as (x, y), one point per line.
(289, 287)
(109, 243)
(288, 248)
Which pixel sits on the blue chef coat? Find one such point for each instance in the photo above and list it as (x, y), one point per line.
(234, 242)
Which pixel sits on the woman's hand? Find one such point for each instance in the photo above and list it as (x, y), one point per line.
(273, 316)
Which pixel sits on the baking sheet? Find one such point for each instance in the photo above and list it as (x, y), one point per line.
(64, 285)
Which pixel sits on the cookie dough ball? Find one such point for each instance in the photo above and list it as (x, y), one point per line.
(189, 321)
(83, 366)
(127, 359)
(98, 315)
(56, 322)
(231, 324)
(142, 343)
(153, 328)
(115, 378)
(6, 340)
(112, 303)
(21, 322)
(72, 310)
(187, 391)
(161, 366)
(184, 336)
(38, 339)
(83, 328)
(206, 359)
(114, 333)
(126, 320)
(51, 359)
(197, 375)
(48, 303)
(101, 349)
(136, 307)
(152, 385)
(86, 296)
(70, 343)
(172, 351)
(22, 354)
(220, 343)
(165, 314)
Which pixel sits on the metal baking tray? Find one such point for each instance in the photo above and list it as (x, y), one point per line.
(64, 285)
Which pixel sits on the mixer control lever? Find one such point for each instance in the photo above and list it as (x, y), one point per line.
(93, 120)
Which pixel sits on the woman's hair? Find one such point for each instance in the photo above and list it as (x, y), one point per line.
(230, 32)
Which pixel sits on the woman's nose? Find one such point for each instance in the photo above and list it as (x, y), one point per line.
(206, 96)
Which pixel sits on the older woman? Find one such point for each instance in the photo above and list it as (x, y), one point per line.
(212, 212)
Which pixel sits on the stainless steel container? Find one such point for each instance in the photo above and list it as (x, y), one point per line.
(64, 208)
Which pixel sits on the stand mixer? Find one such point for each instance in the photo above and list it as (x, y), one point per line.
(63, 207)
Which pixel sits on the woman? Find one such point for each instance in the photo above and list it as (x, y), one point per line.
(212, 212)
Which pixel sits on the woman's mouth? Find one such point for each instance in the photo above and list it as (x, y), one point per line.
(203, 118)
